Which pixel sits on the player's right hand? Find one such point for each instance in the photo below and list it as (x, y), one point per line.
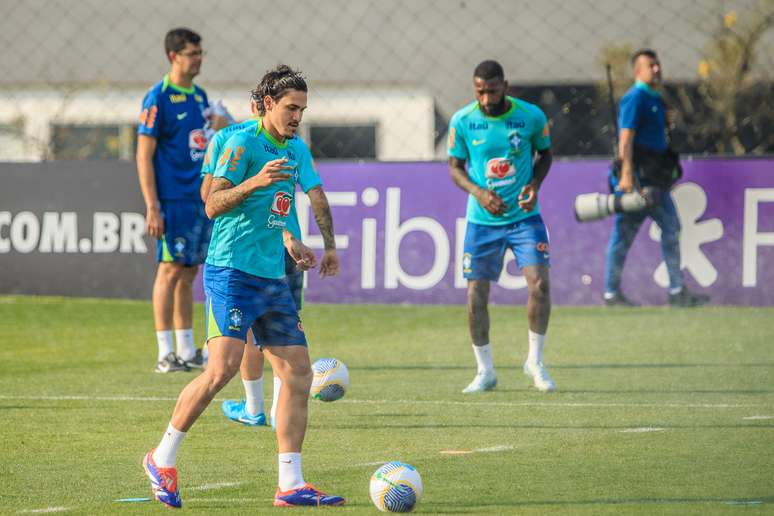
(272, 172)
(491, 202)
(625, 184)
(154, 223)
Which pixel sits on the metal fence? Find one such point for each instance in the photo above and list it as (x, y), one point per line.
(386, 75)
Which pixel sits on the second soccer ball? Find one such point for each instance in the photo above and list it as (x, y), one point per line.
(331, 379)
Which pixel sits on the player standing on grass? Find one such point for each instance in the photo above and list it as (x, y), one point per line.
(251, 411)
(250, 200)
(170, 146)
(500, 136)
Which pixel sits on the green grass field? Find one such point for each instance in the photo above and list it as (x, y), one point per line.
(79, 406)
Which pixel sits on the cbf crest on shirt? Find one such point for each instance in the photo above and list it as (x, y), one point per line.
(499, 151)
(249, 237)
(174, 116)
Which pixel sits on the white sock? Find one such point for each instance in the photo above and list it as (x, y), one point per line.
(536, 343)
(290, 476)
(185, 344)
(676, 290)
(483, 358)
(254, 396)
(165, 342)
(165, 454)
(275, 398)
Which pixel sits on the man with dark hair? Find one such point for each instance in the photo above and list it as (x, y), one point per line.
(250, 200)
(506, 142)
(645, 161)
(250, 411)
(170, 148)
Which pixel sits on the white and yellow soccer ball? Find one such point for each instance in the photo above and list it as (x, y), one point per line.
(396, 487)
(331, 379)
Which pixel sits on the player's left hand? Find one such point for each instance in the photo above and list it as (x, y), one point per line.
(528, 197)
(301, 254)
(329, 266)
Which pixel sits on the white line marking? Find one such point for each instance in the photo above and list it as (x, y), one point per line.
(755, 418)
(216, 485)
(377, 463)
(420, 402)
(229, 500)
(493, 449)
(47, 509)
(642, 430)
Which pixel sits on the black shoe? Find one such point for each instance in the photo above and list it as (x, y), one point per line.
(618, 299)
(197, 362)
(171, 364)
(686, 299)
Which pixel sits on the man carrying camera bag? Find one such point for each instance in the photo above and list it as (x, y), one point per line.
(646, 161)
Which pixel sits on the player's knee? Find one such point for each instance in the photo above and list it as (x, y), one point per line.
(539, 287)
(221, 374)
(299, 378)
(477, 296)
(169, 273)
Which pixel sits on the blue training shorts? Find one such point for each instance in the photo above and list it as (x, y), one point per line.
(187, 232)
(237, 301)
(485, 247)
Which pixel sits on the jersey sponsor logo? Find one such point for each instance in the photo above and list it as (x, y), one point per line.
(476, 143)
(270, 149)
(281, 203)
(452, 137)
(515, 124)
(181, 116)
(197, 143)
(499, 168)
(177, 98)
(148, 116)
(197, 140)
(478, 126)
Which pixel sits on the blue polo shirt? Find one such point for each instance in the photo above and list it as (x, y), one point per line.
(642, 110)
(174, 116)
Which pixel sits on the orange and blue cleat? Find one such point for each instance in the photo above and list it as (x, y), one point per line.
(305, 495)
(163, 482)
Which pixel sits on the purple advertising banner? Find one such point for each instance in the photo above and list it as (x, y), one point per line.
(400, 228)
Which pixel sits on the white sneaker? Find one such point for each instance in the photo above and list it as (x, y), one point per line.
(540, 376)
(483, 381)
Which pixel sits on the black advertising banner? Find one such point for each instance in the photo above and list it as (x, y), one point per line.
(74, 228)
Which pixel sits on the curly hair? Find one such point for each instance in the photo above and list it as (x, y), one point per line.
(276, 83)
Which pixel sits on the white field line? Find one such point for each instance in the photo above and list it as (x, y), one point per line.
(216, 485)
(641, 430)
(756, 418)
(421, 402)
(42, 511)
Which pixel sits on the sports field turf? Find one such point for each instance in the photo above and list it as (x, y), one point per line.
(659, 411)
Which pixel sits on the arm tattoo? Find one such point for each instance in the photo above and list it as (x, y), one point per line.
(322, 214)
(223, 197)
